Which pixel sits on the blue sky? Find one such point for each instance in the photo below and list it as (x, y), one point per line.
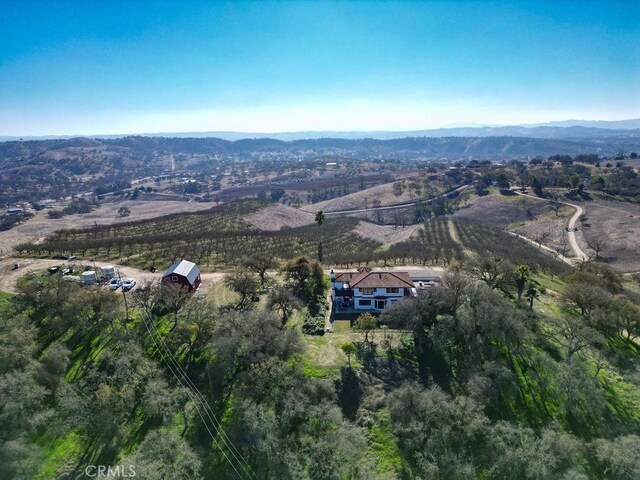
(92, 67)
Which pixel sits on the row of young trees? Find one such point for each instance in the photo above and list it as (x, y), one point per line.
(434, 245)
(211, 248)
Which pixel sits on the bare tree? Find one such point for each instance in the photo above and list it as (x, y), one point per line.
(598, 244)
(562, 246)
(526, 207)
(557, 205)
(541, 233)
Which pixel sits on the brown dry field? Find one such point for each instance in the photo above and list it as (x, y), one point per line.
(384, 233)
(274, 217)
(362, 199)
(40, 226)
(619, 223)
(554, 229)
(501, 211)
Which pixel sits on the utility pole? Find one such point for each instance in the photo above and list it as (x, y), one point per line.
(124, 296)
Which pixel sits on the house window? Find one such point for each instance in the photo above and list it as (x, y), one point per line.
(365, 303)
(174, 278)
(393, 290)
(380, 304)
(368, 291)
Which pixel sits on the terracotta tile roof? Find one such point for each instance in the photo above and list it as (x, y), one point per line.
(346, 276)
(369, 279)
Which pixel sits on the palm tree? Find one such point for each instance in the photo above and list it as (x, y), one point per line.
(523, 276)
(532, 294)
(320, 218)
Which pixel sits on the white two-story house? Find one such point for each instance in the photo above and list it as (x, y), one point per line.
(370, 290)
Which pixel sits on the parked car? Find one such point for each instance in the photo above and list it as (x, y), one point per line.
(128, 284)
(115, 283)
(53, 270)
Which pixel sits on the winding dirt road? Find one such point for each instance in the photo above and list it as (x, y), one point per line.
(571, 234)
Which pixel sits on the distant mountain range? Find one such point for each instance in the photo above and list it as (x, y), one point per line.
(565, 130)
(633, 123)
(410, 147)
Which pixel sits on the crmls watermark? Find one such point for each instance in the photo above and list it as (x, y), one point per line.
(107, 471)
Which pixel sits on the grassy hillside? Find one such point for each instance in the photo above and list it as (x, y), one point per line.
(466, 381)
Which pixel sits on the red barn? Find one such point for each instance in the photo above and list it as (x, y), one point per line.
(183, 273)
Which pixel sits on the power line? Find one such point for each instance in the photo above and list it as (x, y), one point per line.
(234, 451)
(186, 382)
(190, 393)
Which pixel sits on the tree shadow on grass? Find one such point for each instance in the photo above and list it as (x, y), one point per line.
(100, 450)
(350, 392)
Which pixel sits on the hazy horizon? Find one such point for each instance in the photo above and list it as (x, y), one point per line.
(69, 68)
(299, 134)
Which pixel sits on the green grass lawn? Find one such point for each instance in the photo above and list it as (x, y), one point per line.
(59, 452)
(5, 295)
(384, 446)
(324, 351)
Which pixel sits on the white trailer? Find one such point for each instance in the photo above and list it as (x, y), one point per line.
(89, 277)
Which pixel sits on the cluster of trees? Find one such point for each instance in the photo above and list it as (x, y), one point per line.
(74, 370)
(7, 222)
(110, 184)
(467, 380)
(505, 392)
(558, 171)
(572, 174)
(339, 189)
(623, 180)
(77, 205)
(597, 292)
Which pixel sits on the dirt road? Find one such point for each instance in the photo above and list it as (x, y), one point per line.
(8, 276)
(398, 205)
(571, 234)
